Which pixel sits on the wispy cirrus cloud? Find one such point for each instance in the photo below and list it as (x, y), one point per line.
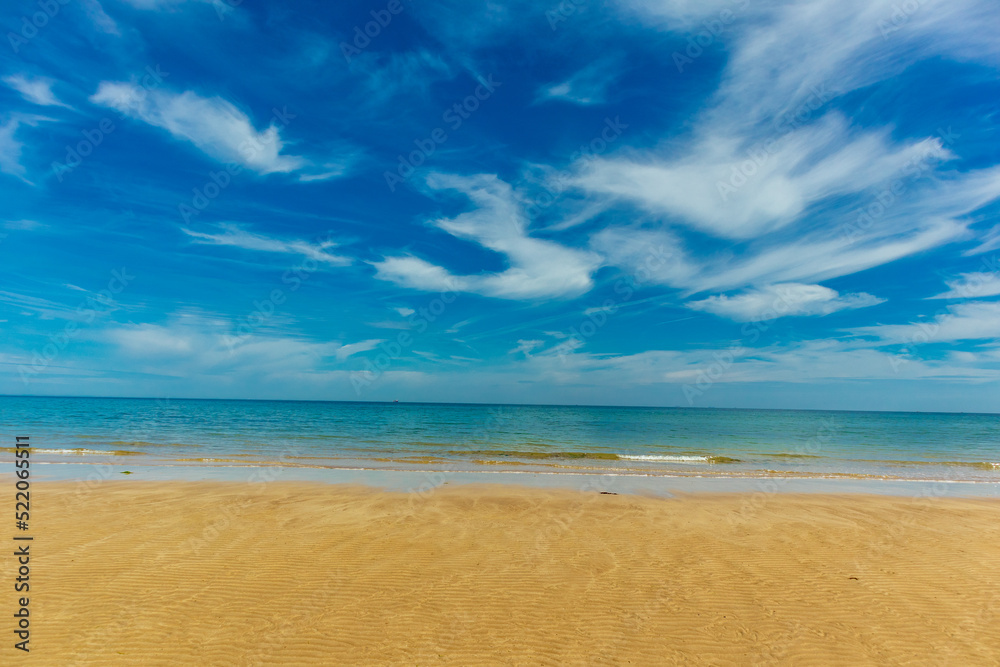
(23, 225)
(212, 124)
(237, 237)
(706, 190)
(971, 286)
(771, 163)
(586, 87)
(539, 269)
(800, 362)
(386, 75)
(973, 320)
(37, 90)
(783, 300)
(191, 346)
(11, 147)
(834, 243)
(100, 19)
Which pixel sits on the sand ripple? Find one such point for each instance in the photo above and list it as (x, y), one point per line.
(136, 573)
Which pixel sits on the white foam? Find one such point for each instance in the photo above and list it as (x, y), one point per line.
(652, 457)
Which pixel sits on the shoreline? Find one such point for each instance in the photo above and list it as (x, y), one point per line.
(663, 483)
(293, 572)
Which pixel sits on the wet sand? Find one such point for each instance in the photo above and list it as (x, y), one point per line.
(165, 573)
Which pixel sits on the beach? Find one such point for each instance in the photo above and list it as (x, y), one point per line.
(156, 573)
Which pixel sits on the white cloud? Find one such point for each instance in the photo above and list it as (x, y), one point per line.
(345, 351)
(416, 273)
(386, 75)
(586, 87)
(526, 346)
(768, 164)
(23, 225)
(990, 240)
(44, 308)
(159, 5)
(971, 286)
(708, 188)
(37, 90)
(214, 125)
(833, 244)
(806, 362)
(11, 148)
(782, 300)
(404, 312)
(539, 269)
(973, 320)
(155, 4)
(95, 12)
(783, 48)
(191, 346)
(236, 237)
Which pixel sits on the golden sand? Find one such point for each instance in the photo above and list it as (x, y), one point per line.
(150, 573)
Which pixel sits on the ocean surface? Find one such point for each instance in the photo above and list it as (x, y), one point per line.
(142, 434)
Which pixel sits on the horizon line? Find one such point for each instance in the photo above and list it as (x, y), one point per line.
(474, 404)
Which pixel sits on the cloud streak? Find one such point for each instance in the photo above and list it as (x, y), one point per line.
(36, 90)
(783, 300)
(539, 269)
(212, 124)
(235, 237)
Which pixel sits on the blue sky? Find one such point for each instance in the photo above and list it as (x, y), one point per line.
(653, 202)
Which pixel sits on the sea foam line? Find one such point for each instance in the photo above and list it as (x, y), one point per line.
(659, 457)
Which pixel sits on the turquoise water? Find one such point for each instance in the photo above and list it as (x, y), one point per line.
(471, 438)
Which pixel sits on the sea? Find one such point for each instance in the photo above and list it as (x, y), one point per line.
(647, 448)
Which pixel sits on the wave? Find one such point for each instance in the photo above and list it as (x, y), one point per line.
(144, 443)
(657, 457)
(680, 458)
(603, 456)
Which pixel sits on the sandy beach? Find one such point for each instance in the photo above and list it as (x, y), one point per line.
(134, 572)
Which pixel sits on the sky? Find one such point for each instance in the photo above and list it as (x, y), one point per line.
(721, 203)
